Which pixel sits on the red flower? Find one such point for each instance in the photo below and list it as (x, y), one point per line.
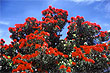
(46, 33)
(82, 17)
(98, 48)
(66, 56)
(73, 63)
(55, 35)
(45, 44)
(79, 56)
(18, 56)
(99, 27)
(66, 39)
(6, 47)
(24, 57)
(62, 20)
(27, 19)
(50, 11)
(73, 18)
(104, 56)
(36, 52)
(78, 17)
(85, 58)
(68, 70)
(11, 29)
(14, 40)
(20, 66)
(31, 70)
(20, 30)
(74, 54)
(2, 40)
(50, 7)
(60, 53)
(55, 49)
(87, 49)
(43, 11)
(78, 50)
(60, 14)
(62, 66)
(36, 32)
(48, 15)
(37, 46)
(55, 21)
(102, 34)
(108, 62)
(43, 18)
(53, 8)
(14, 70)
(46, 52)
(28, 66)
(58, 27)
(91, 60)
(55, 54)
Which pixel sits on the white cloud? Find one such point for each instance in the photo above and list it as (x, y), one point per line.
(89, 1)
(51, 2)
(107, 7)
(4, 23)
(108, 30)
(106, 24)
(104, 6)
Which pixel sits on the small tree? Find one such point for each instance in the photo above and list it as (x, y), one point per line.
(37, 47)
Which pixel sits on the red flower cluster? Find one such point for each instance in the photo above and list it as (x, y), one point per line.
(11, 29)
(104, 56)
(44, 33)
(37, 46)
(53, 10)
(23, 67)
(68, 70)
(103, 33)
(78, 52)
(22, 43)
(97, 27)
(55, 52)
(73, 63)
(62, 66)
(87, 49)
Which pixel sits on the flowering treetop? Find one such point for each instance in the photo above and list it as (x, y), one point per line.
(37, 47)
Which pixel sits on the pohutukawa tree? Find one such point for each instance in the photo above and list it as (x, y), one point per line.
(37, 47)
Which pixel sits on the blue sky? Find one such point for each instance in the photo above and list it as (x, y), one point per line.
(16, 11)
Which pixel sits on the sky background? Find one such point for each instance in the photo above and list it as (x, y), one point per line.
(16, 11)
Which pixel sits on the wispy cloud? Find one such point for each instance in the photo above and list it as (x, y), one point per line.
(107, 7)
(87, 1)
(106, 25)
(51, 2)
(4, 23)
(104, 6)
